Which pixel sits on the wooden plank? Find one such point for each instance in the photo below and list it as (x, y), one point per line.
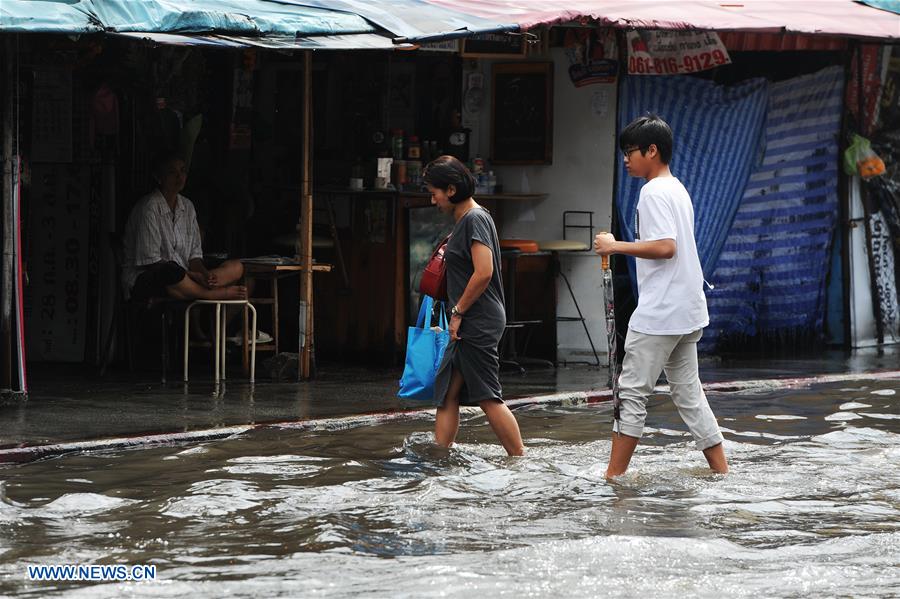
(306, 219)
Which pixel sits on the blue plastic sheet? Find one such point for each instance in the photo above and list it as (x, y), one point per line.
(770, 277)
(717, 132)
(238, 17)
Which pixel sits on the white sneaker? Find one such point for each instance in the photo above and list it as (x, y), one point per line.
(261, 337)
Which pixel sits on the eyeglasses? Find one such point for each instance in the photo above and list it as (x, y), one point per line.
(628, 151)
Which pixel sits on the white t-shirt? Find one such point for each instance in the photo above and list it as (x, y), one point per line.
(670, 292)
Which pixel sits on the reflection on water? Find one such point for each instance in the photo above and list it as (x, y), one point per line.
(812, 507)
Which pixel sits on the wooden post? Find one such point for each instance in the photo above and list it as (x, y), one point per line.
(401, 296)
(305, 229)
(9, 226)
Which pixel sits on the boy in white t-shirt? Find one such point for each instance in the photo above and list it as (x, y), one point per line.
(671, 311)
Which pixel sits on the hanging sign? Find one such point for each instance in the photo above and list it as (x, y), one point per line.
(593, 56)
(665, 52)
(56, 297)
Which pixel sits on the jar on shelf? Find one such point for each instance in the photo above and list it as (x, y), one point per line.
(414, 151)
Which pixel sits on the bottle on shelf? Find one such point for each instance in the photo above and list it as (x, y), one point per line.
(397, 144)
(414, 150)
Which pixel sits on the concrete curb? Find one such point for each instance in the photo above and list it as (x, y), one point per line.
(28, 453)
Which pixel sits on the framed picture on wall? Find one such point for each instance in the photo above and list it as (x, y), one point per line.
(522, 113)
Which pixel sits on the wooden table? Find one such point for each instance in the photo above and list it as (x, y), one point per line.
(272, 272)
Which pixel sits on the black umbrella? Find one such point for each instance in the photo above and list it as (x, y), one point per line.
(611, 334)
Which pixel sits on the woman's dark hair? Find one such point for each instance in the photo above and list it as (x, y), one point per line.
(444, 171)
(646, 130)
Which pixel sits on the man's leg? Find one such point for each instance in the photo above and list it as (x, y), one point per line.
(644, 359)
(188, 289)
(687, 394)
(229, 272)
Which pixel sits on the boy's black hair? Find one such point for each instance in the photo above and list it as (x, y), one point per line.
(444, 171)
(646, 130)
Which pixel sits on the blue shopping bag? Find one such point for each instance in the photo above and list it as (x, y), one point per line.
(424, 350)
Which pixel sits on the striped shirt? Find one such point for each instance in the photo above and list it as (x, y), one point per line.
(155, 233)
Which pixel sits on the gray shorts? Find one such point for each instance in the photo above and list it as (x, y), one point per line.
(646, 356)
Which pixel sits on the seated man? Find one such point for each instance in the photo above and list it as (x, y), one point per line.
(163, 256)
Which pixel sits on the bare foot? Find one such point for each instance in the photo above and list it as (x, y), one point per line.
(232, 292)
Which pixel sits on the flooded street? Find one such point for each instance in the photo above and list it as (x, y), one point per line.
(811, 508)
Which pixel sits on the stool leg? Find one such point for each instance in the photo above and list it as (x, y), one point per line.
(187, 323)
(245, 357)
(275, 323)
(165, 344)
(216, 341)
(253, 346)
(224, 339)
(580, 315)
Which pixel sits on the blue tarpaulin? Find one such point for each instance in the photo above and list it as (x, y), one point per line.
(770, 278)
(236, 17)
(416, 20)
(243, 17)
(717, 137)
(48, 16)
(888, 5)
(344, 24)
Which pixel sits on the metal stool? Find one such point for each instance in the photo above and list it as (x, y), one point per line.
(219, 340)
(567, 245)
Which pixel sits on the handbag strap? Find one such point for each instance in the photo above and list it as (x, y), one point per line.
(427, 306)
(442, 320)
(441, 245)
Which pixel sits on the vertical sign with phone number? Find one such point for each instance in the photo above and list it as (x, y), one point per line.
(657, 52)
(58, 266)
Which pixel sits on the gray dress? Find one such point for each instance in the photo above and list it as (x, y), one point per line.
(475, 354)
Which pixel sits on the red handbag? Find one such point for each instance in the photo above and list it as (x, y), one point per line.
(434, 277)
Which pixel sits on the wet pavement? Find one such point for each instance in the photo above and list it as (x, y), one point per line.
(68, 404)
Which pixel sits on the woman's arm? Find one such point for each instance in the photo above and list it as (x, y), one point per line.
(483, 262)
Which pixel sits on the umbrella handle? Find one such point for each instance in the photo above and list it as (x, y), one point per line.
(604, 260)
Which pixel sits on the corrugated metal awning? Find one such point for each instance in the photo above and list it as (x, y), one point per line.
(823, 17)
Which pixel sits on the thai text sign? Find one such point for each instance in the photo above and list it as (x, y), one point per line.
(56, 310)
(667, 52)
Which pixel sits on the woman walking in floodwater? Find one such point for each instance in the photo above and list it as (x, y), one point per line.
(469, 374)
